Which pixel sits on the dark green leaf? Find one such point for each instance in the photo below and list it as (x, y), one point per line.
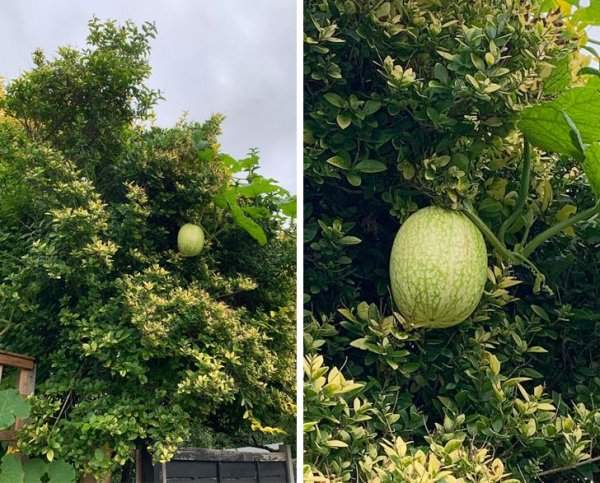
(339, 162)
(335, 100)
(370, 166)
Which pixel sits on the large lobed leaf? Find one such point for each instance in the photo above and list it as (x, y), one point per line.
(544, 125)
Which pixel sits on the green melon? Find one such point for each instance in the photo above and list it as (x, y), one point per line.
(438, 268)
(190, 240)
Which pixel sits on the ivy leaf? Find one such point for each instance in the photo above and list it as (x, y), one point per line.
(546, 126)
(12, 406)
(11, 470)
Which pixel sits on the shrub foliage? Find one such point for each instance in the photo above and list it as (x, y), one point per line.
(137, 345)
(410, 103)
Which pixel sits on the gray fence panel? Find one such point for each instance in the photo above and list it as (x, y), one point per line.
(196, 465)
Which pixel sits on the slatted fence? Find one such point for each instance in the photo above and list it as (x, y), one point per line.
(195, 465)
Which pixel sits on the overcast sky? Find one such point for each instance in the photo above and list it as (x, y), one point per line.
(235, 57)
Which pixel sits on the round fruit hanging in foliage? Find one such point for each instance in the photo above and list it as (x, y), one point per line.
(438, 268)
(190, 240)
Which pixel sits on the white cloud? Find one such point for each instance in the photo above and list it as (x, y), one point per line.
(236, 57)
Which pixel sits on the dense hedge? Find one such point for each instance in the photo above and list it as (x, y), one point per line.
(411, 103)
(137, 345)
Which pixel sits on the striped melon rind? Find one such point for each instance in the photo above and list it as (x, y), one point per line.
(438, 268)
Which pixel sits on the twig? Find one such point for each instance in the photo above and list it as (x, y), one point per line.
(569, 467)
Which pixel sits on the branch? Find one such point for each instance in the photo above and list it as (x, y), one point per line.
(569, 467)
(523, 190)
(555, 229)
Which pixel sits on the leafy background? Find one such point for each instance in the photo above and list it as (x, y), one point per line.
(410, 103)
(137, 346)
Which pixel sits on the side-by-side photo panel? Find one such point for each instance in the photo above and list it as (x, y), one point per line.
(451, 235)
(148, 242)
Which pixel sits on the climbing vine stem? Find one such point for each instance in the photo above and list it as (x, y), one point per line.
(523, 190)
(558, 227)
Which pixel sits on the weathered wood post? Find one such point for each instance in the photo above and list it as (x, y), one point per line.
(25, 385)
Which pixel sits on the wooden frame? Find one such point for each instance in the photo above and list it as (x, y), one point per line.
(25, 384)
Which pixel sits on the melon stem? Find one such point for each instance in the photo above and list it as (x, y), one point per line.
(500, 247)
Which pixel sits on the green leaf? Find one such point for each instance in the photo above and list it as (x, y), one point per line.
(536, 349)
(339, 162)
(288, 207)
(440, 73)
(334, 443)
(589, 71)
(589, 15)
(448, 55)
(61, 472)
(545, 126)
(343, 120)
(362, 343)
(258, 186)
(335, 100)
(354, 179)
(371, 107)
(370, 166)
(11, 470)
(349, 240)
(34, 470)
(591, 166)
(540, 312)
(247, 224)
(574, 133)
(560, 77)
(12, 406)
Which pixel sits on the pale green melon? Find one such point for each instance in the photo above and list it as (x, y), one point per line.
(190, 240)
(438, 268)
